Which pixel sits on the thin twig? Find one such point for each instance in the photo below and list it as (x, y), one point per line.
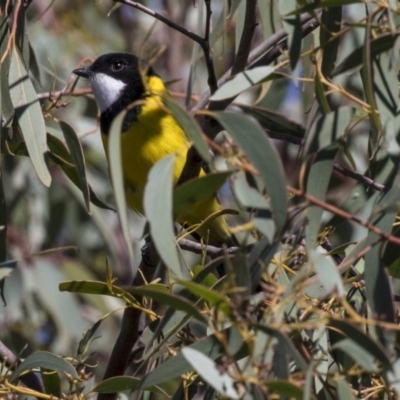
(58, 94)
(358, 177)
(341, 213)
(198, 39)
(254, 55)
(205, 46)
(199, 248)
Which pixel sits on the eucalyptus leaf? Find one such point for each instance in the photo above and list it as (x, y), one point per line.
(29, 116)
(44, 359)
(117, 177)
(159, 188)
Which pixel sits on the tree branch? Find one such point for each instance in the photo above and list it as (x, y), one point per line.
(199, 248)
(212, 81)
(130, 329)
(344, 214)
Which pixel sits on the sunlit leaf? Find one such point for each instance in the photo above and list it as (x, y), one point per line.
(29, 115)
(159, 188)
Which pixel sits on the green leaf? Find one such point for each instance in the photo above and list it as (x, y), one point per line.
(262, 153)
(328, 129)
(274, 121)
(44, 359)
(285, 342)
(211, 373)
(317, 185)
(241, 82)
(245, 195)
(190, 127)
(378, 286)
(210, 296)
(51, 383)
(29, 116)
(323, 4)
(163, 296)
(355, 59)
(292, 25)
(94, 287)
(365, 341)
(6, 107)
(59, 155)
(121, 384)
(328, 276)
(117, 177)
(331, 20)
(158, 210)
(191, 192)
(76, 152)
(3, 229)
(286, 389)
(361, 356)
(343, 390)
(209, 346)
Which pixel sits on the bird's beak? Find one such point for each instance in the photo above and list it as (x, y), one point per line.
(83, 72)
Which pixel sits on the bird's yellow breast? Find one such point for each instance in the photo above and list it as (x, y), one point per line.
(154, 135)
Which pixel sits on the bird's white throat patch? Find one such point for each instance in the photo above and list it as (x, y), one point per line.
(106, 90)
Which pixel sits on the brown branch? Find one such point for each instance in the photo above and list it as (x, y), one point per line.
(199, 248)
(344, 214)
(58, 94)
(358, 177)
(130, 326)
(196, 38)
(255, 54)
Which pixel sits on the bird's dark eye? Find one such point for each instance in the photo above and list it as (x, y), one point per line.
(117, 66)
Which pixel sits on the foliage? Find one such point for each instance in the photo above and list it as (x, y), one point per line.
(300, 106)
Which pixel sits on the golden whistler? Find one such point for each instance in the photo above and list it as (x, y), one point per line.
(149, 133)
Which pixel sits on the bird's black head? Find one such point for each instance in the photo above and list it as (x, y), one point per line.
(115, 77)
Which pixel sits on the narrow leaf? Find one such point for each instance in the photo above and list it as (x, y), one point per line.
(117, 177)
(241, 82)
(44, 359)
(30, 117)
(76, 152)
(262, 153)
(158, 210)
(190, 127)
(209, 371)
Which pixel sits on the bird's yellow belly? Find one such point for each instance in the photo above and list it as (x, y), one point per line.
(154, 136)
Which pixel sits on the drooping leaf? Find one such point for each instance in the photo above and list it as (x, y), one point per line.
(76, 152)
(190, 127)
(29, 115)
(158, 210)
(253, 141)
(317, 185)
(121, 384)
(117, 177)
(241, 82)
(191, 192)
(44, 359)
(209, 346)
(208, 370)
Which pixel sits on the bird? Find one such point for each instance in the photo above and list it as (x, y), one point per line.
(149, 133)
